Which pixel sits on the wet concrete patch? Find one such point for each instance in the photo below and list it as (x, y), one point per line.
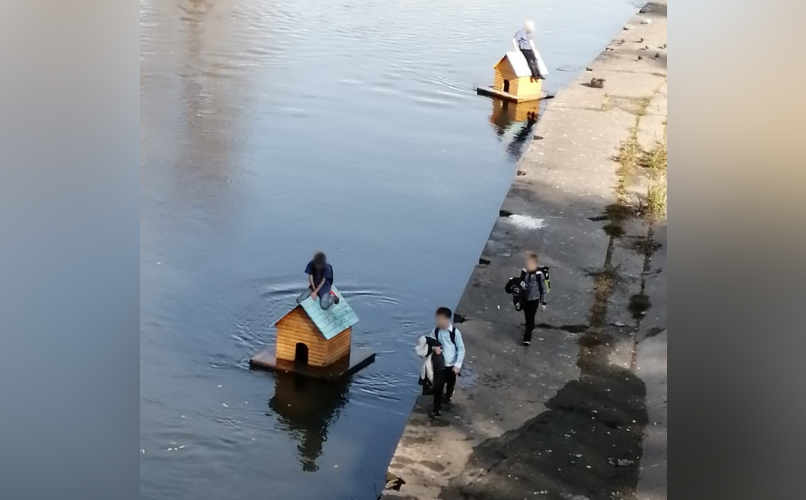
(565, 328)
(639, 305)
(408, 441)
(644, 245)
(434, 466)
(614, 229)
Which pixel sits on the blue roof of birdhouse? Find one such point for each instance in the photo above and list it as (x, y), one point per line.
(333, 321)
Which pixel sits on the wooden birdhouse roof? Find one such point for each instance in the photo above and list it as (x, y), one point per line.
(517, 62)
(331, 322)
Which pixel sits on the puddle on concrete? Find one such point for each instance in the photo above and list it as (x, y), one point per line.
(565, 328)
(639, 305)
(614, 229)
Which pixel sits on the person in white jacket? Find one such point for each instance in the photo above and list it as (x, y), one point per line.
(523, 41)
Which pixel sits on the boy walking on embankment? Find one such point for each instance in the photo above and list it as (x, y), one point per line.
(533, 294)
(453, 351)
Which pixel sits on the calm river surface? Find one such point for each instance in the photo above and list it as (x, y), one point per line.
(270, 129)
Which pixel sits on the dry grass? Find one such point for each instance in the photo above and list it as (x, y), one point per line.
(657, 158)
(628, 153)
(657, 196)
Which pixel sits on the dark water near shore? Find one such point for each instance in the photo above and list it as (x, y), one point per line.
(270, 129)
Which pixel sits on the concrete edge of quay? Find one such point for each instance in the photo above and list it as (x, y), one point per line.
(581, 413)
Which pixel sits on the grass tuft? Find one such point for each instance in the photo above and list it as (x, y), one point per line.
(657, 193)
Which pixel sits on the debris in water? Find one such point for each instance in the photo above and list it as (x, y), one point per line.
(646, 21)
(142, 451)
(621, 462)
(227, 406)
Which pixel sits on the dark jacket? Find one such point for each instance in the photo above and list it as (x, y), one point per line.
(535, 286)
(437, 360)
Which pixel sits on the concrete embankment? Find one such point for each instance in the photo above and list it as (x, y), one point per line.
(581, 413)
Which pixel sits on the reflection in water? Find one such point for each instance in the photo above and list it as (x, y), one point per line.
(518, 118)
(307, 407)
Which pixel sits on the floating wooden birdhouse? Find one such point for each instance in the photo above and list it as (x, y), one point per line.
(315, 342)
(513, 80)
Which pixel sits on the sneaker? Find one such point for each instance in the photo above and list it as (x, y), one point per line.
(448, 402)
(526, 342)
(434, 414)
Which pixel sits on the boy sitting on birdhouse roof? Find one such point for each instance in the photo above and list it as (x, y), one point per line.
(320, 282)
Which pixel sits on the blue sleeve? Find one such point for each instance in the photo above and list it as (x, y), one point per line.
(309, 268)
(460, 350)
(329, 274)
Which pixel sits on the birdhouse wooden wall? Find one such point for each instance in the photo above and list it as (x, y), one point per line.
(297, 327)
(504, 73)
(507, 80)
(525, 87)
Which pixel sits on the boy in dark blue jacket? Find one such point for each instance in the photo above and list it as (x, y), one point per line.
(320, 282)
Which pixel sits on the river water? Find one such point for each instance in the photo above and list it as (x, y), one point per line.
(270, 129)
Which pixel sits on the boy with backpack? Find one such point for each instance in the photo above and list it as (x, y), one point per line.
(532, 292)
(452, 349)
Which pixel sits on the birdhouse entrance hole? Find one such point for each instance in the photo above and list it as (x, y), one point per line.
(506, 85)
(301, 354)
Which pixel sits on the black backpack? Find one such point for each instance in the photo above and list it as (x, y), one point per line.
(545, 271)
(452, 332)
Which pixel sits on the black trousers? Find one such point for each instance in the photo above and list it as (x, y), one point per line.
(530, 308)
(444, 384)
(532, 60)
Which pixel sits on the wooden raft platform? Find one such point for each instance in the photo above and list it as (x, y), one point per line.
(356, 360)
(491, 92)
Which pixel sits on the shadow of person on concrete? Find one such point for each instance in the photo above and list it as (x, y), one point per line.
(586, 445)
